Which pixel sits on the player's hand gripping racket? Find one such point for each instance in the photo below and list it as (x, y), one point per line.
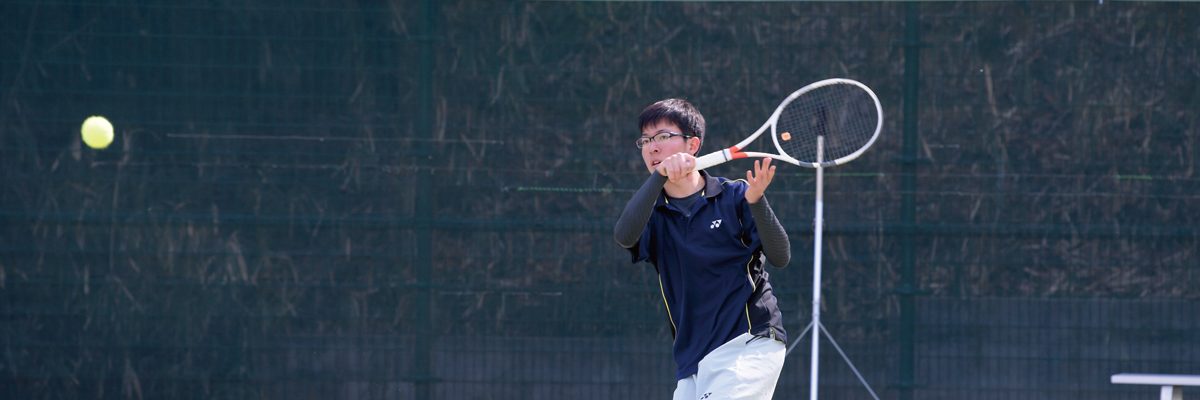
(826, 123)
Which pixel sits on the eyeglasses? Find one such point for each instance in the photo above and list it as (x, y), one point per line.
(660, 138)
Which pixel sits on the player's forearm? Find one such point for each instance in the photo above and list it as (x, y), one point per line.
(637, 212)
(774, 239)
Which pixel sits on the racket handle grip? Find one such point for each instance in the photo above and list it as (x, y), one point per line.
(711, 159)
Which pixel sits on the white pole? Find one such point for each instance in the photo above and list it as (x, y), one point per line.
(817, 228)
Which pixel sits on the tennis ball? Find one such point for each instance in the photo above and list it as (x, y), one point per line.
(97, 132)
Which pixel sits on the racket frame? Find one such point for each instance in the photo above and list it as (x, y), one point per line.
(734, 152)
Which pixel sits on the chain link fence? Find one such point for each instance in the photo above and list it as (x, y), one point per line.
(415, 199)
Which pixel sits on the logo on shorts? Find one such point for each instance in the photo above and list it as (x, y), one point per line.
(714, 225)
(705, 396)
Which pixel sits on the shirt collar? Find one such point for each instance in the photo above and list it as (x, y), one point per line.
(712, 187)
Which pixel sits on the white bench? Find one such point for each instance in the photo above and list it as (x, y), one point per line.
(1172, 385)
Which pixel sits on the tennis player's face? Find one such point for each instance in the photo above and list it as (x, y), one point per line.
(654, 152)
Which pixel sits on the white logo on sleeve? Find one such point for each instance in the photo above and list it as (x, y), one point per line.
(715, 224)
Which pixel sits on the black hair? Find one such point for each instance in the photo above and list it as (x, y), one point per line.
(676, 111)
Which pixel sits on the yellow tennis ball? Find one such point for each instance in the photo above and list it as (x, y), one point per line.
(97, 132)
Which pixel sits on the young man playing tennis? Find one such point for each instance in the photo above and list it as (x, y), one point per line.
(710, 239)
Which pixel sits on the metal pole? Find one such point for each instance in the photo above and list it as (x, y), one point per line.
(819, 224)
(907, 290)
(423, 264)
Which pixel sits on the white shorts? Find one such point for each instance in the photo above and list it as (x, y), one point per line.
(736, 370)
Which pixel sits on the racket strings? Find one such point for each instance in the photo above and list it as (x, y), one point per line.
(844, 114)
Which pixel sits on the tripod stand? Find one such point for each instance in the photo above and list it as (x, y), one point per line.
(816, 325)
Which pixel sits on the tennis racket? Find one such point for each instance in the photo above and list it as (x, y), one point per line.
(826, 123)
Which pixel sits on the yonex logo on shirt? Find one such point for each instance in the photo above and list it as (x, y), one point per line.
(715, 224)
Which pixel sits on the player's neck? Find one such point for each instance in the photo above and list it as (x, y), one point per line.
(686, 186)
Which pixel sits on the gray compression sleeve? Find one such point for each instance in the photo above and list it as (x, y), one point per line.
(774, 239)
(637, 212)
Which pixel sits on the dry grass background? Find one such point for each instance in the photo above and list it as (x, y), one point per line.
(263, 183)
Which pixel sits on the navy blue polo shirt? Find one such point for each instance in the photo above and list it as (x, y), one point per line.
(710, 271)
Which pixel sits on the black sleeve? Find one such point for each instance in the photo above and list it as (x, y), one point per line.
(774, 239)
(637, 212)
